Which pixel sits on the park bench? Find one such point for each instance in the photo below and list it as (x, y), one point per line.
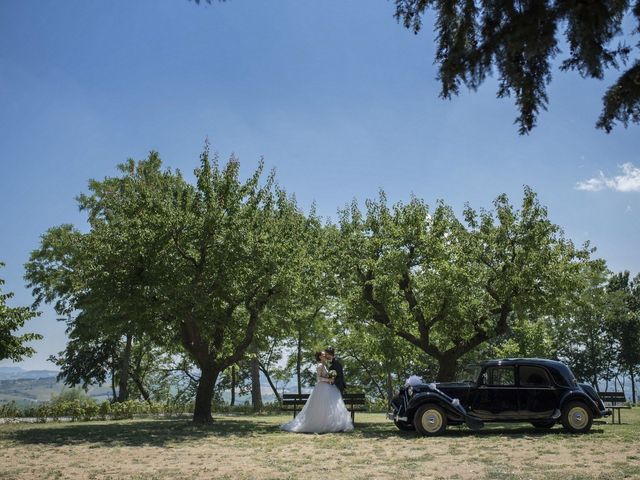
(614, 401)
(293, 402)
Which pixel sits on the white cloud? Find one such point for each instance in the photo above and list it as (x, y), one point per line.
(629, 181)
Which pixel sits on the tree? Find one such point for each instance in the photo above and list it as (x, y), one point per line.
(583, 338)
(312, 308)
(188, 266)
(625, 323)
(446, 287)
(376, 361)
(519, 41)
(631, 341)
(228, 252)
(93, 358)
(11, 319)
(96, 282)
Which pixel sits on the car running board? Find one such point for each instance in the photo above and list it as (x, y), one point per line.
(474, 423)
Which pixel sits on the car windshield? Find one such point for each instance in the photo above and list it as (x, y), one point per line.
(469, 374)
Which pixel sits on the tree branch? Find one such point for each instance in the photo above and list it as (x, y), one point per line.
(381, 316)
(254, 315)
(183, 253)
(414, 308)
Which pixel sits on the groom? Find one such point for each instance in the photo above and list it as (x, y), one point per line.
(337, 366)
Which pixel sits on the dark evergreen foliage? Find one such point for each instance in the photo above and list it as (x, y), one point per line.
(518, 40)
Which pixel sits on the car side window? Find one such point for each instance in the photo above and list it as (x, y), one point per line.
(559, 379)
(500, 376)
(533, 377)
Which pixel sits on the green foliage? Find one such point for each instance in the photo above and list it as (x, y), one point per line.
(10, 410)
(175, 277)
(446, 287)
(527, 339)
(78, 407)
(519, 41)
(601, 337)
(624, 320)
(378, 362)
(191, 268)
(11, 319)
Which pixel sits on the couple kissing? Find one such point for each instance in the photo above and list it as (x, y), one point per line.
(324, 410)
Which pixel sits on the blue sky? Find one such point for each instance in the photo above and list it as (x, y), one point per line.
(335, 95)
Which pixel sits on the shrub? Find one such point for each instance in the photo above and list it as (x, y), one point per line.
(10, 410)
(77, 406)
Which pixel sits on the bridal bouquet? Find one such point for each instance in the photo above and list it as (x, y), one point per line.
(333, 374)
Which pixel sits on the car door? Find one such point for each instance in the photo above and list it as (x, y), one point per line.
(496, 396)
(537, 394)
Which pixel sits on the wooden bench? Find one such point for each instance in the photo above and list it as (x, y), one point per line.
(293, 402)
(614, 401)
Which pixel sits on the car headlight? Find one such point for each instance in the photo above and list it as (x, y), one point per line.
(410, 391)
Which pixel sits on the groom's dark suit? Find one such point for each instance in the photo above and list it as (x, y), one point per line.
(339, 380)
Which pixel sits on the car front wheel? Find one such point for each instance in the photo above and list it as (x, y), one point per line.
(576, 417)
(430, 420)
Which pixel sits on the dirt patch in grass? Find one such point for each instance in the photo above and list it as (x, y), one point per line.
(254, 447)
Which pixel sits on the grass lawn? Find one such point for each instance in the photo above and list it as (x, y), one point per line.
(254, 447)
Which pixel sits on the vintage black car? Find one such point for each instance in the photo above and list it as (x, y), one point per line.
(542, 392)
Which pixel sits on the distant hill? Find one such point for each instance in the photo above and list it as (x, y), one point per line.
(29, 386)
(15, 373)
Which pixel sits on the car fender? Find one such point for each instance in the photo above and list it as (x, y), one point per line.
(437, 398)
(452, 407)
(589, 390)
(583, 397)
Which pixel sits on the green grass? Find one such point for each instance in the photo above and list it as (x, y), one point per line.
(254, 447)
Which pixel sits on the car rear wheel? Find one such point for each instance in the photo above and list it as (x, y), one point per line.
(430, 420)
(544, 425)
(404, 426)
(577, 417)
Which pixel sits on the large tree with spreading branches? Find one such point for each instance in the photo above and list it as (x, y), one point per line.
(447, 286)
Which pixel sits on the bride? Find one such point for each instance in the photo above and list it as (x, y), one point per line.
(324, 411)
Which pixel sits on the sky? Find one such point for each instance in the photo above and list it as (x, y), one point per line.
(335, 96)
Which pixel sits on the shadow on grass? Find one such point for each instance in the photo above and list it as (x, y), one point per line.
(157, 432)
(161, 432)
(378, 430)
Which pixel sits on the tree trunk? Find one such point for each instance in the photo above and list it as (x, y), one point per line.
(633, 386)
(447, 367)
(123, 382)
(256, 394)
(299, 362)
(273, 387)
(372, 376)
(204, 397)
(389, 388)
(233, 385)
(143, 391)
(113, 385)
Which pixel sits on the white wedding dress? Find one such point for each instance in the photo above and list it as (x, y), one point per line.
(324, 411)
